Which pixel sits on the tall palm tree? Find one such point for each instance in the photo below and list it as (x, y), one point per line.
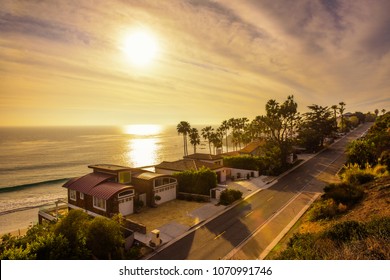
(383, 111)
(194, 138)
(225, 127)
(234, 125)
(334, 107)
(341, 110)
(376, 112)
(219, 135)
(207, 134)
(184, 128)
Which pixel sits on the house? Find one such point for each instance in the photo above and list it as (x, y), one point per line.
(112, 189)
(254, 148)
(171, 167)
(215, 159)
(149, 185)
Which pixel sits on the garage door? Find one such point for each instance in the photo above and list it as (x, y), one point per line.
(126, 206)
(166, 194)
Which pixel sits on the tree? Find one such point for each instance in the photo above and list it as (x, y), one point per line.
(194, 138)
(341, 110)
(184, 128)
(376, 112)
(316, 126)
(207, 134)
(335, 108)
(104, 238)
(279, 121)
(73, 228)
(225, 128)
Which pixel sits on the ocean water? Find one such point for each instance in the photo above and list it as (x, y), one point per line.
(36, 162)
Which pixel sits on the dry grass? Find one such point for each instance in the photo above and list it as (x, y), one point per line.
(172, 211)
(375, 204)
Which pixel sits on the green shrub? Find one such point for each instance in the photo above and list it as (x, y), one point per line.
(323, 209)
(228, 196)
(344, 193)
(300, 247)
(196, 181)
(379, 227)
(346, 232)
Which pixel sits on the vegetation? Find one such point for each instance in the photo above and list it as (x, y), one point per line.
(196, 181)
(228, 196)
(315, 127)
(374, 147)
(184, 128)
(281, 127)
(76, 236)
(345, 240)
(341, 233)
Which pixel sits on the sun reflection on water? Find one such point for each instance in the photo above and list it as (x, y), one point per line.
(141, 152)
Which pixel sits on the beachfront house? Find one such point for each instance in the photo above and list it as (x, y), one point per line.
(171, 167)
(112, 189)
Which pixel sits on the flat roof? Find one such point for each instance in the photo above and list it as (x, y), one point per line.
(110, 167)
(146, 175)
(187, 164)
(201, 156)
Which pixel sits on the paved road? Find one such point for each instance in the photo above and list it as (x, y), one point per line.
(220, 236)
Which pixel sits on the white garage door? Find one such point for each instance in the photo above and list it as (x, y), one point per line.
(166, 194)
(126, 206)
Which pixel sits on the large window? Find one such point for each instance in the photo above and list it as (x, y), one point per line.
(99, 203)
(72, 195)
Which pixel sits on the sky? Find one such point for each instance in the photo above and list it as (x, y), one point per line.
(64, 62)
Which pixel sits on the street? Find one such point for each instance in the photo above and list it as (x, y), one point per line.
(219, 237)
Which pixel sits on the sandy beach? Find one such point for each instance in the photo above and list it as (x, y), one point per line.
(18, 222)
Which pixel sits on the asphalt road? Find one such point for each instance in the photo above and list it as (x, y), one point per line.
(218, 237)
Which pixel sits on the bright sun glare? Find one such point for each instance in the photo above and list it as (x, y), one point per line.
(142, 129)
(140, 47)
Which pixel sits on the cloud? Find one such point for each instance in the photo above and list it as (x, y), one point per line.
(217, 58)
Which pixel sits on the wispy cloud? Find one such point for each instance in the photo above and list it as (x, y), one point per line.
(218, 58)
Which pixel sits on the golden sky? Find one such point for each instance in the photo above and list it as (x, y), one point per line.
(62, 62)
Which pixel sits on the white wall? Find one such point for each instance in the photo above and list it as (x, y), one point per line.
(243, 173)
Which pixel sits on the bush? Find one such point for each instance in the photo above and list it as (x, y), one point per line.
(323, 209)
(354, 175)
(228, 196)
(346, 232)
(300, 247)
(344, 193)
(196, 182)
(380, 228)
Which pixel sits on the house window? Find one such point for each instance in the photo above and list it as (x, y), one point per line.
(99, 203)
(81, 195)
(125, 193)
(72, 195)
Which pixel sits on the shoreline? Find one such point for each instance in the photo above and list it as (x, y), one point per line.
(16, 222)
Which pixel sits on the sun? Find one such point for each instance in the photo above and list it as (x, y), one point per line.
(140, 47)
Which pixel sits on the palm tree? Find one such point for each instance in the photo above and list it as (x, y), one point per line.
(383, 111)
(342, 109)
(225, 127)
(184, 128)
(376, 112)
(194, 138)
(207, 133)
(334, 107)
(234, 124)
(219, 135)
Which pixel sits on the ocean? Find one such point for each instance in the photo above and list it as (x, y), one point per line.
(36, 162)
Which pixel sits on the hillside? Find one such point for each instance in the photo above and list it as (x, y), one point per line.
(360, 232)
